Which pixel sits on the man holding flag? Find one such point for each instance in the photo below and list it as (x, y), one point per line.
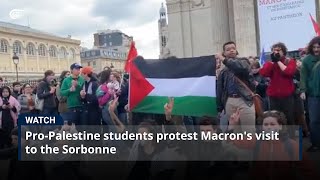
(124, 93)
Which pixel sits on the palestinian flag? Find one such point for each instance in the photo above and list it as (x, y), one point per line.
(191, 81)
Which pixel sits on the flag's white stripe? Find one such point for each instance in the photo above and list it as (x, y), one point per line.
(199, 86)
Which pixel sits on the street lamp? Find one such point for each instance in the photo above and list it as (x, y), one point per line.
(15, 60)
(111, 66)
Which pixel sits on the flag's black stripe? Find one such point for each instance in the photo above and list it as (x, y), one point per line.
(177, 68)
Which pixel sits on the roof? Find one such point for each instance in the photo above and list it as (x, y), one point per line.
(26, 29)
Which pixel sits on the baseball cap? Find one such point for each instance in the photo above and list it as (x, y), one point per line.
(75, 66)
(87, 70)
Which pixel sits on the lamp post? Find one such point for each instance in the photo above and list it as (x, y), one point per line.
(111, 66)
(15, 60)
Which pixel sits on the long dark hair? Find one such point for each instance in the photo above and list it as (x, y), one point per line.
(105, 76)
(315, 40)
(280, 116)
(62, 76)
(24, 86)
(5, 87)
(282, 46)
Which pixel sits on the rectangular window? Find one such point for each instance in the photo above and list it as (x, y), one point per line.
(94, 64)
(88, 63)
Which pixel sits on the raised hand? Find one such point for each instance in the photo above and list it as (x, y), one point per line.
(235, 117)
(52, 90)
(219, 57)
(83, 94)
(74, 83)
(126, 107)
(303, 96)
(113, 105)
(72, 89)
(168, 107)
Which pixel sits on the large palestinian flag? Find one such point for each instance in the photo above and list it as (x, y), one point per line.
(191, 81)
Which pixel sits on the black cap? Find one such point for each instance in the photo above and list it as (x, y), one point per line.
(75, 66)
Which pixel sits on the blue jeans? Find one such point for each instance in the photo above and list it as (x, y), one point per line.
(314, 115)
(48, 112)
(107, 119)
(123, 118)
(65, 116)
(74, 115)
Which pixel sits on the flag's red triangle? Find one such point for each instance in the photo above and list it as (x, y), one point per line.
(139, 87)
(315, 26)
(131, 56)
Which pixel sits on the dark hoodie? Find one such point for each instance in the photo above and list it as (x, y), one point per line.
(261, 89)
(43, 92)
(90, 88)
(90, 102)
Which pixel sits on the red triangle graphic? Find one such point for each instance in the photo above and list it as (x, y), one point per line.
(315, 25)
(139, 87)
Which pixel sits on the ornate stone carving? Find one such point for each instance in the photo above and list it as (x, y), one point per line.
(197, 3)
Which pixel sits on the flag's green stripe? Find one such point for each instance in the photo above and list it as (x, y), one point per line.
(187, 106)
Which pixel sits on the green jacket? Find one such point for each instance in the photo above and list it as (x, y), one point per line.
(310, 76)
(73, 98)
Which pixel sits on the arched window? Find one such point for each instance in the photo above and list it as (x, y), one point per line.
(31, 49)
(4, 45)
(163, 41)
(17, 47)
(63, 52)
(42, 50)
(72, 53)
(53, 51)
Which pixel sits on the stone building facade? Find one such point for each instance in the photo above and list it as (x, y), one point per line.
(110, 50)
(100, 58)
(200, 27)
(38, 51)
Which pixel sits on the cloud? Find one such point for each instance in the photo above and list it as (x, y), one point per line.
(130, 12)
(82, 18)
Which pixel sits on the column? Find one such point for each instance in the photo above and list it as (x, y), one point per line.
(37, 54)
(48, 60)
(219, 24)
(25, 61)
(244, 27)
(175, 29)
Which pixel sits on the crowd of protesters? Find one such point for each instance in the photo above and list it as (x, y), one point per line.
(289, 88)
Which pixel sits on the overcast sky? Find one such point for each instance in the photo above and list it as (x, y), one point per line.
(81, 18)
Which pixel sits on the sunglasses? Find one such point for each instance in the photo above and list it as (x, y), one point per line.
(274, 112)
